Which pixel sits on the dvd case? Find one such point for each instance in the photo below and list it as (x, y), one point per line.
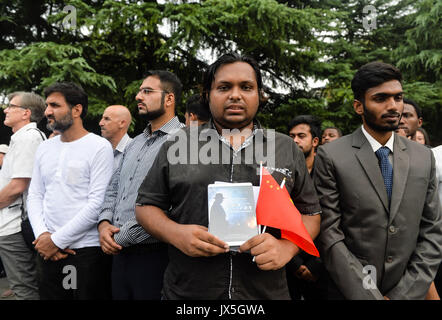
(232, 215)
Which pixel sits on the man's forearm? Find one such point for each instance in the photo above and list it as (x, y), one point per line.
(156, 223)
(312, 224)
(12, 191)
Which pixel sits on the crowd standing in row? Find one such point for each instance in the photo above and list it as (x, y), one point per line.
(133, 224)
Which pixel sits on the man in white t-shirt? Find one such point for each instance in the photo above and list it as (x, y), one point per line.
(71, 173)
(24, 111)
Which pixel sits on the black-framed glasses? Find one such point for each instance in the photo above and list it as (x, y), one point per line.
(147, 91)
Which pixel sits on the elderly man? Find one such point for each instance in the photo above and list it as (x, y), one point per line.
(114, 123)
(24, 111)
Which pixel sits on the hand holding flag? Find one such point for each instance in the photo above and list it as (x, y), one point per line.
(275, 209)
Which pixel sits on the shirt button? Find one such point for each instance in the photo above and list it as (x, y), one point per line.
(389, 259)
(392, 229)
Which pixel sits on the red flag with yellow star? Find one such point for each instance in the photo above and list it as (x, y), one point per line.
(275, 209)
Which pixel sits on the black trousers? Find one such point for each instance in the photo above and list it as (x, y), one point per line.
(84, 276)
(137, 272)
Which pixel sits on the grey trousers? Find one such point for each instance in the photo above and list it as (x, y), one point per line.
(20, 266)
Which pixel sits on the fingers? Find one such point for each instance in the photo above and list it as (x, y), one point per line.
(269, 253)
(196, 241)
(59, 256)
(253, 242)
(45, 256)
(207, 244)
(109, 246)
(70, 251)
(107, 242)
(300, 270)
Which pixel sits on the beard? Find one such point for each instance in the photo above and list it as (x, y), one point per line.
(62, 124)
(154, 114)
(370, 120)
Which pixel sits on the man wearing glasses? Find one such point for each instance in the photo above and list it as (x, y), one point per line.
(24, 111)
(139, 260)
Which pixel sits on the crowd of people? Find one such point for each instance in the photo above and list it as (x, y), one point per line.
(86, 217)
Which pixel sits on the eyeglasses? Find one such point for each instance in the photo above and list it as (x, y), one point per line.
(146, 91)
(13, 106)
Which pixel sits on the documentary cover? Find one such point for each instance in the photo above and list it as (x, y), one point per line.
(232, 215)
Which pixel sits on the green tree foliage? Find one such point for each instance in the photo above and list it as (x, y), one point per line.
(420, 58)
(295, 42)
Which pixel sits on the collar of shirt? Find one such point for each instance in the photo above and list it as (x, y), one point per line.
(23, 129)
(375, 145)
(169, 127)
(123, 142)
(256, 127)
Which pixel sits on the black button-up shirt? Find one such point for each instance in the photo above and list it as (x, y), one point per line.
(181, 190)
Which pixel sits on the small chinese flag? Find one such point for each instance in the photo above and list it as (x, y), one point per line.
(275, 209)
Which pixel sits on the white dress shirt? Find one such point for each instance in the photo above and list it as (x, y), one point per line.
(375, 145)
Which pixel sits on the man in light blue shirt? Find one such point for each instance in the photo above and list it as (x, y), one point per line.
(139, 260)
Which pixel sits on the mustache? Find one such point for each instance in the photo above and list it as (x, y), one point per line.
(391, 114)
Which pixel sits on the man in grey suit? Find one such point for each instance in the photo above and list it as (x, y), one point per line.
(381, 228)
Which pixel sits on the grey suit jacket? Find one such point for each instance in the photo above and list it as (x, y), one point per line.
(402, 241)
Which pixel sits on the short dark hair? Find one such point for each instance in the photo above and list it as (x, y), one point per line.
(229, 58)
(372, 75)
(415, 106)
(195, 106)
(311, 121)
(73, 94)
(335, 128)
(169, 83)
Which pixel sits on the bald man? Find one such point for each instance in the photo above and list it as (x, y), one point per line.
(114, 124)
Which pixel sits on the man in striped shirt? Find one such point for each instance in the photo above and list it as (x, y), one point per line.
(139, 260)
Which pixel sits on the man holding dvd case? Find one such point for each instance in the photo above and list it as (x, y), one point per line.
(172, 202)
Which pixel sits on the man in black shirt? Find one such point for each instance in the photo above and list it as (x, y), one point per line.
(173, 206)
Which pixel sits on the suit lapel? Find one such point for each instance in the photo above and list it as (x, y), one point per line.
(401, 165)
(370, 164)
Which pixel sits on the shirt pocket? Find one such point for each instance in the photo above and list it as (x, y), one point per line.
(75, 172)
